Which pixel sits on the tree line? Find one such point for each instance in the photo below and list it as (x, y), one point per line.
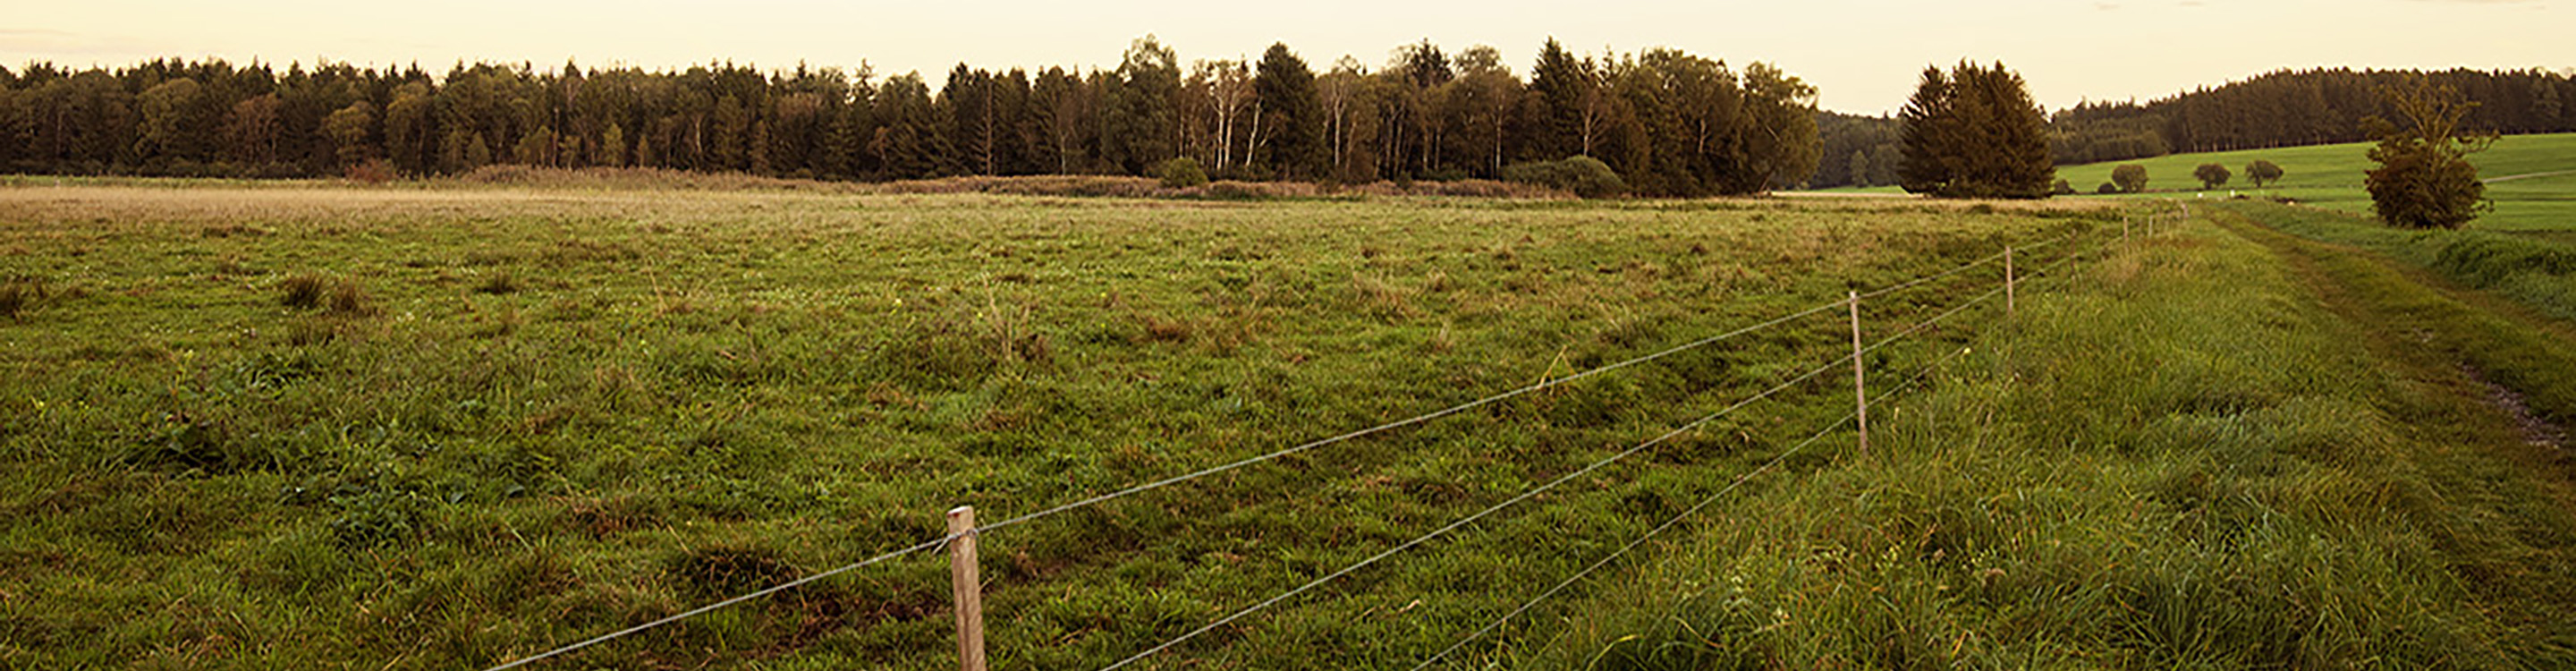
(2286, 108)
(1670, 123)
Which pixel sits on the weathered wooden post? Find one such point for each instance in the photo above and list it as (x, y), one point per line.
(967, 587)
(2008, 281)
(1860, 384)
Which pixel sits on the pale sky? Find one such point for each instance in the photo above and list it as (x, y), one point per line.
(1862, 54)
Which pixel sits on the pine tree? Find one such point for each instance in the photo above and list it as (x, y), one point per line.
(1288, 134)
(612, 147)
(1975, 133)
(1140, 128)
(1561, 83)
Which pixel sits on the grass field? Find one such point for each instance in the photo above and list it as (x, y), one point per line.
(2330, 176)
(326, 427)
(434, 428)
(2221, 449)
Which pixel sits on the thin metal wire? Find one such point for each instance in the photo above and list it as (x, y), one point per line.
(1677, 519)
(1463, 407)
(1551, 484)
(1240, 463)
(1138, 489)
(1909, 284)
(1470, 519)
(728, 602)
(1417, 419)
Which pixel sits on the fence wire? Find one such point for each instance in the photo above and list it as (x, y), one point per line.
(1324, 442)
(1552, 484)
(1676, 520)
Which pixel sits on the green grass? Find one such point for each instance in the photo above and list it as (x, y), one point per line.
(2330, 176)
(424, 428)
(2210, 453)
(2539, 272)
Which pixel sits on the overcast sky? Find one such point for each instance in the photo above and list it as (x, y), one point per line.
(1862, 54)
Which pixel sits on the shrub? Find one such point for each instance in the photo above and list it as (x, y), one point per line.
(1584, 176)
(2107, 188)
(2131, 177)
(2263, 172)
(2211, 175)
(2063, 188)
(372, 171)
(1182, 173)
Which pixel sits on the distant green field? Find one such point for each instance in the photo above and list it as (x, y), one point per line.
(2330, 176)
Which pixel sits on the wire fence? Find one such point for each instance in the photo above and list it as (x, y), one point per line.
(1857, 354)
(1676, 520)
(1586, 469)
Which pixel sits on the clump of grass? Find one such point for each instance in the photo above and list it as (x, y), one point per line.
(498, 283)
(20, 296)
(350, 300)
(304, 292)
(1158, 329)
(335, 297)
(1382, 298)
(959, 345)
(727, 571)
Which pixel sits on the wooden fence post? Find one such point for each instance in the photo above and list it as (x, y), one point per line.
(967, 587)
(2008, 281)
(1860, 384)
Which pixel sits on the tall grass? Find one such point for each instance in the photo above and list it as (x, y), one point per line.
(2538, 272)
(2183, 462)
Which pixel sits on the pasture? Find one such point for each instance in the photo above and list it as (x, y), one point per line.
(301, 426)
(2532, 179)
(311, 426)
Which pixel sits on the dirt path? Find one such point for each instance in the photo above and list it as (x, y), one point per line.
(2477, 346)
(2508, 178)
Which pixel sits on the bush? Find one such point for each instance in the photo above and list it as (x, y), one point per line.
(2131, 177)
(2107, 188)
(2263, 172)
(1182, 173)
(1583, 176)
(2063, 188)
(372, 171)
(2211, 175)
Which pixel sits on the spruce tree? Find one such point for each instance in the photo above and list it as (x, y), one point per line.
(1291, 140)
(1561, 83)
(1975, 133)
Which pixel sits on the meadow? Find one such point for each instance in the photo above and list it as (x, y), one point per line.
(437, 427)
(2221, 448)
(2532, 179)
(316, 426)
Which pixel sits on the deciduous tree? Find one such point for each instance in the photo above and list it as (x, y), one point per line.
(2424, 178)
(2262, 172)
(2130, 177)
(2211, 175)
